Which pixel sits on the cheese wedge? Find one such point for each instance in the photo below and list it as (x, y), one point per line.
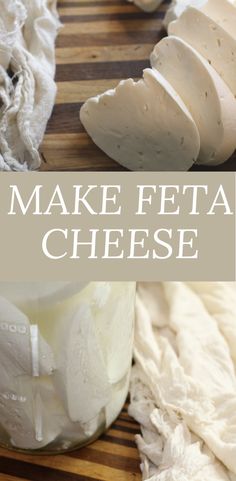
(147, 5)
(143, 125)
(80, 378)
(208, 99)
(223, 12)
(210, 40)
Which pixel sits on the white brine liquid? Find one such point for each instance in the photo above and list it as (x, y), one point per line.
(65, 357)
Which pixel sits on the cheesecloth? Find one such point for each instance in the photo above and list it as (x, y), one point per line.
(183, 384)
(28, 29)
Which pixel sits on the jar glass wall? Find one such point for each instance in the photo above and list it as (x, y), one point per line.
(65, 357)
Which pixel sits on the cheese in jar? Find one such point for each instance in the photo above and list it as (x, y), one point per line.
(65, 357)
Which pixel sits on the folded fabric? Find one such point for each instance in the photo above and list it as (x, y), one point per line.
(28, 30)
(183, 388)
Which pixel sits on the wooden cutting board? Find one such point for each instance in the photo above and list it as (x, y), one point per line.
(114, 457)
(102, 42)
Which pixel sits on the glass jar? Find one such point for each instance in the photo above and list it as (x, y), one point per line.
(65, 357)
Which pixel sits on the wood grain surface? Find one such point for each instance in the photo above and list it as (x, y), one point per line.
(114, 457)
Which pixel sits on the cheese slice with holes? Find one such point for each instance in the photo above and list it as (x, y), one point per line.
(80, 378)
(209, 100)
(24, 416)
(177, 7)
(22, 347)
(218, 10)
(115, 329)
(210, 40)
(24, 357)
(143, 125)
(223, 12)
(29, 422)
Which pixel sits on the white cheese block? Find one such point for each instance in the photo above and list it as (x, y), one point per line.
(223, 12)
(177, 7)
(147, 5)
(80, 378)
(143, 125)
(209, 100)
(210, 40)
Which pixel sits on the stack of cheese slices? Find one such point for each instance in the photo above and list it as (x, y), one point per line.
(63, 378)
(183, 110)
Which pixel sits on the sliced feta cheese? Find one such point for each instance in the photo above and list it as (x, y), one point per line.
(218, 10)
(177, 7)
(80, 378)
(24, 357)
(210, 40)
(147, 5)
(223, 12)
(143, 125)
(208, 99)
(71, 433)
(22, 347)
(28, 421)
(115, 329)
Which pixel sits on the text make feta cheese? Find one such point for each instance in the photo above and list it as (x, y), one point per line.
(102, 200)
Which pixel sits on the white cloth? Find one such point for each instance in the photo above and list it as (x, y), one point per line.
(28, 29)
(183, 387)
